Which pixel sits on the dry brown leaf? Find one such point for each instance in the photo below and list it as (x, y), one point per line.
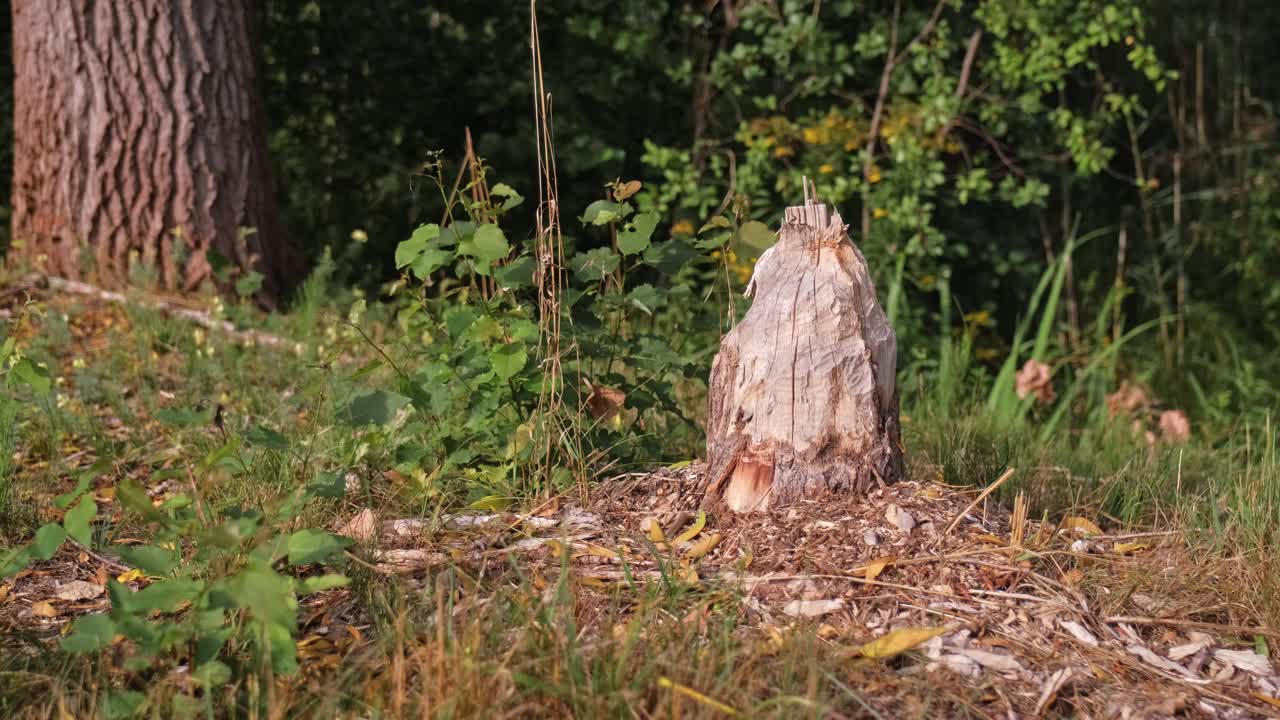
(899, 641)
(362, 528)
(605, 402)
(79, 590)
(624, 190)
(4, 592)
(44, 609)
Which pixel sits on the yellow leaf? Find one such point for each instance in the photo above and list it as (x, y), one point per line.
(689, 574)
(988, 538)
(603, 552)
(44, 609)
(492, 503)
(130, 576)
(696, 696)
(704, 546)
(899, 641)
(698, 523)
(1130, 547)
(1081, 524)
(874, 568)
(654, 530)
(4, 592)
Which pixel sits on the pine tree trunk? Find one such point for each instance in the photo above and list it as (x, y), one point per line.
(139, 137)
(803, 397)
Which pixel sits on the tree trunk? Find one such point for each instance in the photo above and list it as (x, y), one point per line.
(803, 397)
(139, 137)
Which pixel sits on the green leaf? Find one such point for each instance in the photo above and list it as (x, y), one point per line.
(90, 633)
(78, 521)
(375, 408)
(457, 319)
(670, 256)
(508, 359)
(456, 233)
(490, 243)
(647, 298)
(249, 284)
(431, 260)
(516, 274)
(594, 265)
(149, 558)
(136, 499)
(64, 500)
(165, 595)
(327, 485)
(15, 561)
(504, 190)
(212, 674)
(753, 238)
(122, 705)
(7, 349)
(313, 546)
(265, 437)
(603, 212)
(268, 595)
(635, 238)
(33, 376)
(491, 503)
(719, 221)
(320, 583)
(48, 539)
(409, 250)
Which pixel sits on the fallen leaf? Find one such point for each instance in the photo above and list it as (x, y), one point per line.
(1246, 660)
(1186, 650)
(873, 569)
(79, 590)
(1129, 548)
(899, 641)
(812, 608)
(694, 695)
(1156, 661)
(1083, 525)
(1079, 632)
(4, 592)
(130, 576)
(361, 528)
(603, 552)
(993, 661)
(703, 546)
(1049, 691)
(651, 526)
(44, 609)
(698, 523)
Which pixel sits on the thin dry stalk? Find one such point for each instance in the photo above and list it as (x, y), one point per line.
(981, 496)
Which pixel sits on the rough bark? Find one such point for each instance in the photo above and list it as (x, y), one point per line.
(139, 136)
(803, 398)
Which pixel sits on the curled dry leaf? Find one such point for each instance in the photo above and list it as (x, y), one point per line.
(1174, 426)
(1079, 632)
(44, 609)
(1247, 660)
(812, 608)
(79, 590)
(653, 529)
(703, 546)
(1035, 378)
(605, 402)
(873, 569)
(993, 661)
(1081, 525)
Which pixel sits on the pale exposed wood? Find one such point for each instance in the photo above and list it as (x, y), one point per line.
(803, 398)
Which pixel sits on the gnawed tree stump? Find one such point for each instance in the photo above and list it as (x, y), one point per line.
(803, 398)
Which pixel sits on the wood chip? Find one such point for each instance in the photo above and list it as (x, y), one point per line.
(993, 661)
(1247, 660)
(1079, 632)
(1155, 660)
(812, 608)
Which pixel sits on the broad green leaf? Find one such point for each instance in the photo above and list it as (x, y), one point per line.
(249, 284)
(490, 243)
(719, 221)
(15, 561)
(136, 499)
(78, 521)
(265, 593)
(284, 649)
(320, 583)
(90, 633)
(516, 274)
(409, 250)
(64, 500)
(33, 376)
(265, 437)
(491, 503)
(327, 485)
(48, 539)
(122, 704)
(635, 238)
(429, 261)
(508, 359)
(603, 212)
(753, 238)
(594, 265)
(670, 256)
(375, 408)
(647, 298)
(7, 349)
(165, 595)
(313, 546)
(457, 319)
(212, 674)
(456, 233)
(149, 558)
(512, 198)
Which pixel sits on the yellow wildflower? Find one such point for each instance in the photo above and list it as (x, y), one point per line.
(783, 151)
(684, 227)
(873, 175)
(826, 168)
(879, 213)
(1128, 40)
(980, 317)
(812, 136)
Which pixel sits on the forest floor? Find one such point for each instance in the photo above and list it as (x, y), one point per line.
(922, 599)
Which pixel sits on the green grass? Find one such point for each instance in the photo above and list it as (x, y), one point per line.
(459, 646)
